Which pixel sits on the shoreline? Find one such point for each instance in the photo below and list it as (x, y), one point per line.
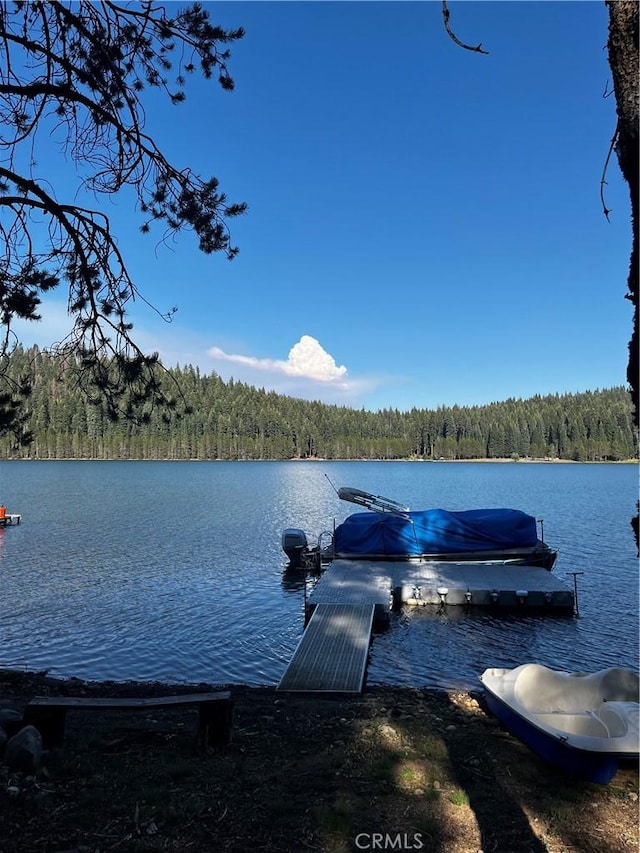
(484, 460)
(320, 773)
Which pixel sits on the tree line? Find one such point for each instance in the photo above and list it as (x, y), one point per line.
(234, 421)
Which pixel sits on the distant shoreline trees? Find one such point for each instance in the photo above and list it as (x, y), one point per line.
(234, 421)
(75, 74)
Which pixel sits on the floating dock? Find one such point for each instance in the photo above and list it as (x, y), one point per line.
(423, 582)
(370, 583)
(352, 595)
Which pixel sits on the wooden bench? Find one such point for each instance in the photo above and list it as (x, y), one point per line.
(215, 719)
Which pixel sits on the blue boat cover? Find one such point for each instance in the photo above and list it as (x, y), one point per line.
(434, 531)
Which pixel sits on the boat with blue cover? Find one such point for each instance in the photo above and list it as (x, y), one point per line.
(392, 531)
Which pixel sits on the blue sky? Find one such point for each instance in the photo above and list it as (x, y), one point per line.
(424, 223)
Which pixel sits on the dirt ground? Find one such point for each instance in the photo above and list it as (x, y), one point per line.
(392, 769)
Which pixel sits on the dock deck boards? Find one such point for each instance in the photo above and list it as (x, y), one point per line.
(480, 584)
(332, 653)
(485, 584)
(340, 584)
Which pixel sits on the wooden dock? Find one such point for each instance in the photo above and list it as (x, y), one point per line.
(332, 655)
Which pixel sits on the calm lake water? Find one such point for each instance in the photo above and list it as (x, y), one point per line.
(174, 571)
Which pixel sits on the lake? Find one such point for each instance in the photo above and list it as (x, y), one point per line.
(174, 571)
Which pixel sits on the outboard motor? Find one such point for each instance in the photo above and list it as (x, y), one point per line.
(294, 544)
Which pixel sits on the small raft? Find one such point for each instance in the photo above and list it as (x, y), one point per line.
(7, 518)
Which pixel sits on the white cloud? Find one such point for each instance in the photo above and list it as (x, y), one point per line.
(307, 360)
(309, 372)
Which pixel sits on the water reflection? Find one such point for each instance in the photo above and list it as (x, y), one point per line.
(175, 570)
(294, 580)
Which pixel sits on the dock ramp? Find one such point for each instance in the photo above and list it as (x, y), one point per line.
(331, 656)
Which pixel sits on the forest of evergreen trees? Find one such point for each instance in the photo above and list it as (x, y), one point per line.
(231, 420)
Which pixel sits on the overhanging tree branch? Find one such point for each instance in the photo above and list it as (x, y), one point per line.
(446, 15)
(76, 72)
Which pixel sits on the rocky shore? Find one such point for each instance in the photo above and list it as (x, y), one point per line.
(394, 768)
